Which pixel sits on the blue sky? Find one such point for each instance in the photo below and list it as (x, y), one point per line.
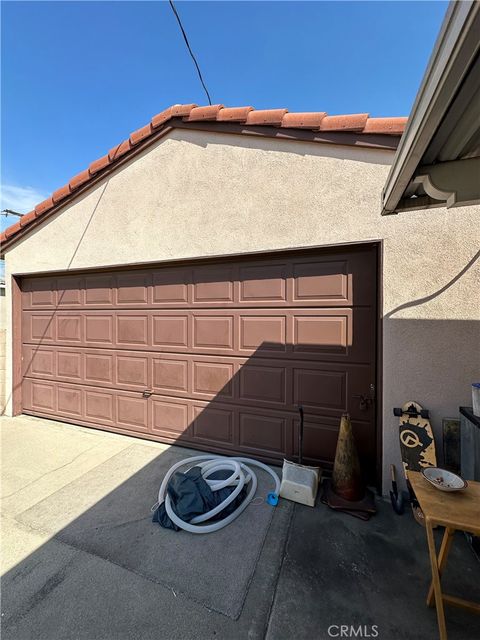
(78, 77)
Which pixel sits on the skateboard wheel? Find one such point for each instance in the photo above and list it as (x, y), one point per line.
(397, 412)
(425, 414)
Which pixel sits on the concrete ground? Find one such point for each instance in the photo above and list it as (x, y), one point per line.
(316, 570)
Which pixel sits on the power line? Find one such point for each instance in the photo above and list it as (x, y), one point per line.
(190, 50)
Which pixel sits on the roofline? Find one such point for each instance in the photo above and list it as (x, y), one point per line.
(455, 49)
(351, 130)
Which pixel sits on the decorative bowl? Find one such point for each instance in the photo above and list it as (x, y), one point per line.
(443, 479)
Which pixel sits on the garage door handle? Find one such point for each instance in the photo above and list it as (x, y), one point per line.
(147, 393)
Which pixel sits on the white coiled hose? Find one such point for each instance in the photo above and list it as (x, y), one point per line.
(241, 475)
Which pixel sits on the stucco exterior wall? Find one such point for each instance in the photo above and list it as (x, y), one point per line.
(198, 194)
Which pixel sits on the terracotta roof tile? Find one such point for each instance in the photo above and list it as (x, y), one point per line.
(392, 126)
(181, 110)
(119, 151)
(309, 120)
(61, 193)
(271, 117)
(140, 134)
(204, 113)
(79, 179)
(43, 206)
(27, 218)
(161, 117)
(355, 122)
(98, 165)
(11, 231)
(315, 121)
(234, 114)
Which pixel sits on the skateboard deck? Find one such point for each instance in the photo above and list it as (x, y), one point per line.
(417, 445)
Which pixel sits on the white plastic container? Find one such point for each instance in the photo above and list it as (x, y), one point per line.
(300, 483)
(476, 399)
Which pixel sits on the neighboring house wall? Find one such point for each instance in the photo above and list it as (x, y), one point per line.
(196, 194)
(3, 320)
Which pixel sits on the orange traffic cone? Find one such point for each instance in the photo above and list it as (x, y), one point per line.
(347, 478)
(346, 491)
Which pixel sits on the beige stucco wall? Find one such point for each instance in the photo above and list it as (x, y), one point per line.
(198, 194)
(3, 320)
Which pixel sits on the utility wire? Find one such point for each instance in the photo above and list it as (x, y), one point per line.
(190, 50)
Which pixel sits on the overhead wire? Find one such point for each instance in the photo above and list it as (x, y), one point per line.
(190, 50)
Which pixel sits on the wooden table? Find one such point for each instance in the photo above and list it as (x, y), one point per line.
(456, 511)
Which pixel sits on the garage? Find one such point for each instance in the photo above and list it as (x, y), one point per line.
(212, 354)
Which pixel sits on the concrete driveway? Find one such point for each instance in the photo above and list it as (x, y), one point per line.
(315, 568)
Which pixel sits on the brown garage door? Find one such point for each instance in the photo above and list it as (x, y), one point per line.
(215, 355)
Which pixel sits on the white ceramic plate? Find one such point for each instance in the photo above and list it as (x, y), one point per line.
(443, 479)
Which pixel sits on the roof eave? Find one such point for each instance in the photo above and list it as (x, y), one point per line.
(455, 50)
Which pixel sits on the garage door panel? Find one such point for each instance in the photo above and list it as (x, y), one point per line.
(213, 333)
(133, 288)
(170, 331)
(99, 406)
(171, 287)
(263, 333)
(132, 371)
(228, 350)
(70, 291)
(69, 328)
(40, 293)
(213, 285)
(69, 401)
(132, 413)
(38, 362)
(263, 284)
(213, 379)
(69, 365)
(265, 433)
(99, 330)
(263, 383)
(170, 418)
(170, 375)
(316, 389)
(99, 368)
(99, 290)
(213, 424)
(321, 281)
(132, 330)
(38, 327)
(39, 395)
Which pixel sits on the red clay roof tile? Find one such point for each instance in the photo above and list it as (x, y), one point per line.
(354, 122)
(11, 231)
(204, 113)
(271, 117)
(182, 110)
(161, 117)
(27, 218)
(314, 121)
(140, 134)
(61, 193)
(119, 151)
(98, 165)
(392, 126)
(234, 114)
(309, 120)
(79, 179)
(43, 206)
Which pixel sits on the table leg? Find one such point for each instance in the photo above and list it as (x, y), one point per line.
(436, 580)
(442, 560)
